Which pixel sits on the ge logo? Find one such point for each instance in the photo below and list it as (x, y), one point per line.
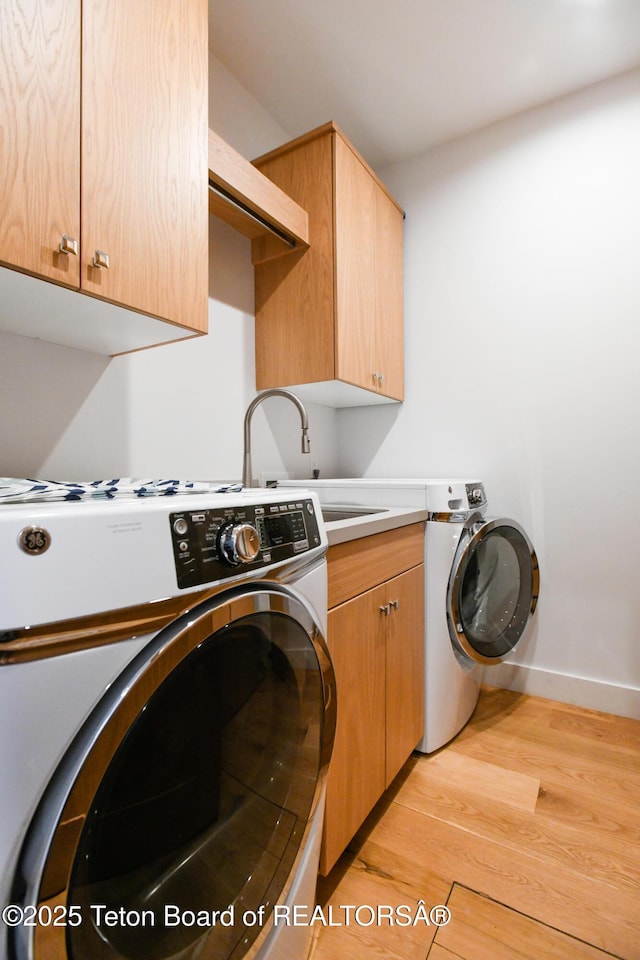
(34, 540)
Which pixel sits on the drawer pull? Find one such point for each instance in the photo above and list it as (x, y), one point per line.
(68, 245)
(388, 608)
(101, 260)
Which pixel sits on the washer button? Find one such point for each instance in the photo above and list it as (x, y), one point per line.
(180, 526)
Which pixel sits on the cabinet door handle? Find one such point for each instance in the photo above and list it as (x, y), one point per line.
(68, 245)
(388, 608)
(101, 259)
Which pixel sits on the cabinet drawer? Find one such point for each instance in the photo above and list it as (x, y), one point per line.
(358, 565)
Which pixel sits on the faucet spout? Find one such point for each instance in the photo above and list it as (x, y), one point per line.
(247, 467)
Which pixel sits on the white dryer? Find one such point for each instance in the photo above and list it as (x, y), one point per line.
(167, 710)
(481, 587)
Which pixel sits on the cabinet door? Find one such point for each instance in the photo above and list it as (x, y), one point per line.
(40, 135)
(404, 667)
(357, 771)
(389, 310)
(369, 279)
(144, 156)
(355, 198)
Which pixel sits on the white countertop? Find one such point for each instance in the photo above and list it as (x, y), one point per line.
(339, 531)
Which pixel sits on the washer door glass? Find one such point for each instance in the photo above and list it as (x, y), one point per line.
(493, 590)
(199, 810)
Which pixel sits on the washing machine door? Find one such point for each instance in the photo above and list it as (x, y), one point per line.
(493, 589)
(176, 819)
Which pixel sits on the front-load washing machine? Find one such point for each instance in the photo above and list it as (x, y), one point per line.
(167, 710)
(481, 588)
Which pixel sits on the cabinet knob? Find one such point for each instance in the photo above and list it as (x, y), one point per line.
(68, 245)
(101, 259)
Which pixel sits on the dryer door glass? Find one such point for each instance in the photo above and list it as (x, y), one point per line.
(190, 807)
(204, 805)
(493, 590)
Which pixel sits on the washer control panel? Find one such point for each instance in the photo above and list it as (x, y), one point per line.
(215, 544)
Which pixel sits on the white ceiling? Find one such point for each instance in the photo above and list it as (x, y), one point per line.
(401, 76)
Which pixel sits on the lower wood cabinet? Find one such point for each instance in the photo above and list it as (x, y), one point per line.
(376, 638)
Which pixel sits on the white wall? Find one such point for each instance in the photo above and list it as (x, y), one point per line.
(522, 311)
(522, 293)
(174, 410)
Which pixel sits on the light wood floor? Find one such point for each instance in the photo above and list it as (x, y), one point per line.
(526, 826)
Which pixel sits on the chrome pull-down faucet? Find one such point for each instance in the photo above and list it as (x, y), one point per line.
(247, 469)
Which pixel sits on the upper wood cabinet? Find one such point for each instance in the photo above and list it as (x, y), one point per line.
(329, 320)
(103, 152)
(144, 155)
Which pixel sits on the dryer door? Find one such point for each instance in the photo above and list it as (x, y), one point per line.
(493, 590)
(177, 818)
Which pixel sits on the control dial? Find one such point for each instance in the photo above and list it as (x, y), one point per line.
(238, 543)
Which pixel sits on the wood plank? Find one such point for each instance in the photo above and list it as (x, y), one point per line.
(620, 732)
(362, 887)
(514, 710)
(570, 862)
(533, 753)
(441, 953)
(450, 772)
(591, 813)
(411, 879)
(607, 858)
(519, 732)
(236, 176)
(482, 929)
(579, 904)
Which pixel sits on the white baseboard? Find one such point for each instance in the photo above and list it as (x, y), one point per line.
(591, 694)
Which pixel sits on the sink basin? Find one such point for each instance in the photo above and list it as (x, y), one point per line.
(333, 512)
